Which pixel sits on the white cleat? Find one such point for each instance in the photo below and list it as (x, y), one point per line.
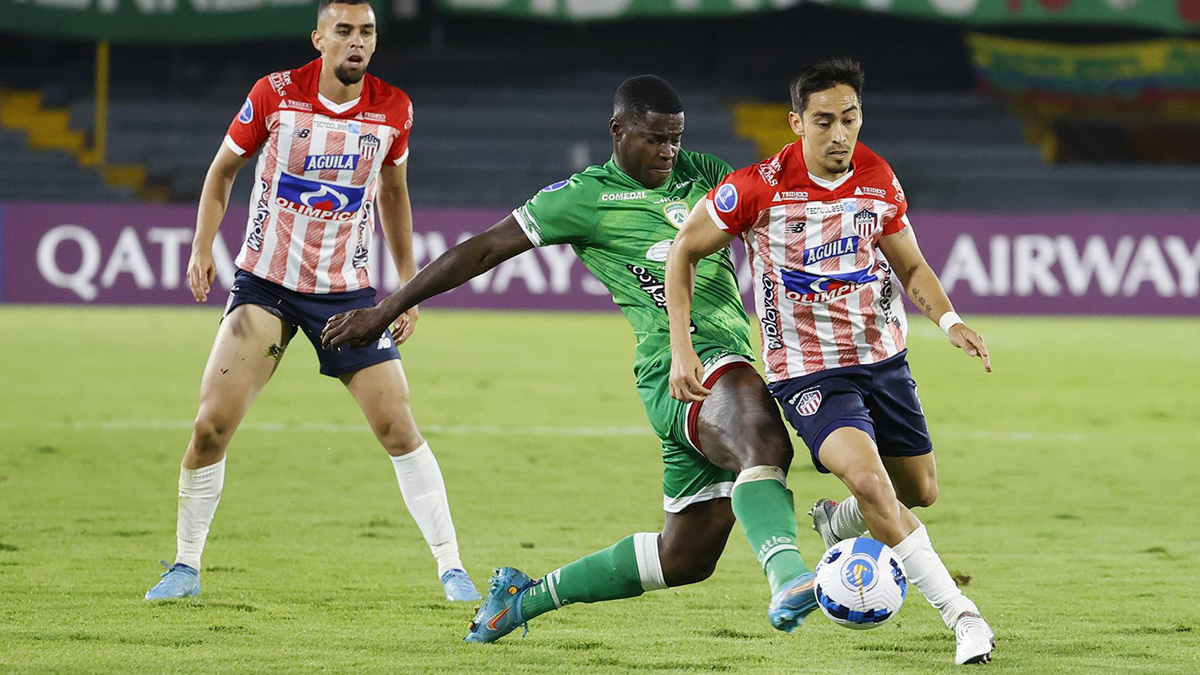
(822, 517)
(974, 638)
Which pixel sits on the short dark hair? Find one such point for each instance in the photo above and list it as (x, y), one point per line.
(645, 94)
(827, 75)
(324, 4)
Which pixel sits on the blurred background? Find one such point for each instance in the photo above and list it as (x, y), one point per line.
(1050, 149)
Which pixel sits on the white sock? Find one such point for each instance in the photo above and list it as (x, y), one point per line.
(650, 571)
(848, 520)
(199, 494)
(424, 493)
(929, 575)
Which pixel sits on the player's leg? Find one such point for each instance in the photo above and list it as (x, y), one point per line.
(914, 478)
(245, 353)
(907, 452)
(738, 428)
(850, 454)
(686, 552)
(375, 378)
(844, 432)
(381, 390)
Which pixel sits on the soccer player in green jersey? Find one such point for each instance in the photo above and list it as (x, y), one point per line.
(724, 459)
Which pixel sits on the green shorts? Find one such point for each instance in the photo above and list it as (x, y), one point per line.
(688, 477)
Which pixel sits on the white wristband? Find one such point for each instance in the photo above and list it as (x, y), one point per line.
(948, 321)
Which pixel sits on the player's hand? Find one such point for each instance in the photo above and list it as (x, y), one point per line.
(201, 272)
(970, 342)
(687, 376)
(356, 328)
(403, 327)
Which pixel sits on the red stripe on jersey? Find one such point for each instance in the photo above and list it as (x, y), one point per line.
(795, 217)
(831, 230)
(874, 337)
(806, 334)
(300, 146)
(337, 280)
(843, 332)
(334, 144)
(283, 239)
(312, 254)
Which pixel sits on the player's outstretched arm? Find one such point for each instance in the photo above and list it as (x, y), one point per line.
(698, 237)
(453, 268)
(925, 290)
(395, 219)
(214, 199)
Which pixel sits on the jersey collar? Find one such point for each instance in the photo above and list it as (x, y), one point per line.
(338, 108)
(796, 149)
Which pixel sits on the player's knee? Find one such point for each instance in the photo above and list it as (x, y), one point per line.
(870, 486)
(765, 440)
(684, 570)
(923, 494)
(210, 435)
(398, 438)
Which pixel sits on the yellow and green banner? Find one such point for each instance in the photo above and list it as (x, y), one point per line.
(1153, 70)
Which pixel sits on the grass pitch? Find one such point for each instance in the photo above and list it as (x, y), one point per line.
(1070, 481)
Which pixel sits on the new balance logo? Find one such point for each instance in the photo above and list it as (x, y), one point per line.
(385, 342)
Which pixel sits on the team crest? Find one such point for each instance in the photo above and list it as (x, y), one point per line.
(809, 402)
(864, 223)
(676, 212)
(368, 145)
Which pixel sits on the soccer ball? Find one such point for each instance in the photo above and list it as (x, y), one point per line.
(860, 583)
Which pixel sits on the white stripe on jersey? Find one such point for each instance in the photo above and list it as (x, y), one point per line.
(328, 242)
(295, 256)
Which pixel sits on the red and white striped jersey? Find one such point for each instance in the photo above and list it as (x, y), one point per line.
(312, 210)
(822, 287)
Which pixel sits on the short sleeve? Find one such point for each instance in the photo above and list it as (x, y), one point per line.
(899, 220)
(561, 213)
(398, 152)
(735, 203)
(248, 130)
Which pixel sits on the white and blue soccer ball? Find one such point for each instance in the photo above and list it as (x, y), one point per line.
(861, 583)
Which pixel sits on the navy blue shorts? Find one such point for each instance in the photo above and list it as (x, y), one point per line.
(880, 399)
(309, 312)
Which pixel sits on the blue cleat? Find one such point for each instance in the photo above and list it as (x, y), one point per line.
(458, 586)
(179, 581)
(500, 613)
(793, 602)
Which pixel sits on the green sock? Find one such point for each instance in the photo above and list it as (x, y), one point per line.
(764, 507)
(610, 574)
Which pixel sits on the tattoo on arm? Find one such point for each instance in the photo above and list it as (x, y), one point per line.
(925, 305)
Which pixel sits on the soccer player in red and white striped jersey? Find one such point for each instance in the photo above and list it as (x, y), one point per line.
(332, 143)
(825, 225)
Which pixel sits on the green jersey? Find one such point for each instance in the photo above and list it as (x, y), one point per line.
(621, 230)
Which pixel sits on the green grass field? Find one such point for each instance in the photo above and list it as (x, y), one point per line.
(1070, 496)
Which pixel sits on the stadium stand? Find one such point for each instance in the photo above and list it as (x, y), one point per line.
(495, 122)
